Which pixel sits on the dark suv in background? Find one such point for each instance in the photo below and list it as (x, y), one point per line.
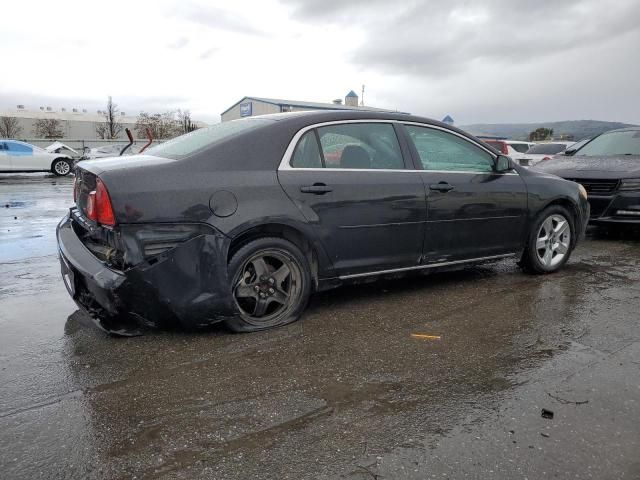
(243, 220)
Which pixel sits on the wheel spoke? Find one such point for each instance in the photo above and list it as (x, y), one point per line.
(542, 242)
(246, 291)
(548, 226)
(561, 227)
(261, 307)
(279, 297)
(281, 274)
(548, 255)
(260, 266)
(562, 248)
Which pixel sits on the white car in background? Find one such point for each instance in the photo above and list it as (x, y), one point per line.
(18, 156)
(543, 151)
(112, 150)
(512, 148)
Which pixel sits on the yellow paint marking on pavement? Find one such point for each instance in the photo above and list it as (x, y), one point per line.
(425, 336)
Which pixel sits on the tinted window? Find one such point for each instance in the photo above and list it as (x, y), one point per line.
(547, 148)
(519, 147)
(613, 143)
(439, 150)
(19, 148)
(361, 146)
(185, 145)
(307, 153)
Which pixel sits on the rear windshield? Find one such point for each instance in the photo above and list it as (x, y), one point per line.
(547, 148)
(185, 145)
(613, 143)
(519, 147)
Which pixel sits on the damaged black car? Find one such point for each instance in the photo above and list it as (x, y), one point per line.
(242, 221)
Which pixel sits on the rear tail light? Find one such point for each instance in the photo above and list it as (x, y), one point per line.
(544, 159)
(98, 205)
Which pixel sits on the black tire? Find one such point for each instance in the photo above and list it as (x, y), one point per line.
(250, 290)
(61, 167)
(532, 261)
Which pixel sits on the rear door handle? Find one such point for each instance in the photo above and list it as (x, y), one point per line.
(317, 189)
(443, 187)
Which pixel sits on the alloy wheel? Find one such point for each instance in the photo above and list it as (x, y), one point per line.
(553, 240)
(61, 167)
(267, 287)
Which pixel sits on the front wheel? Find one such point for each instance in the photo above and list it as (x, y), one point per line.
(550, 241)
(271, 284)
(61, 167)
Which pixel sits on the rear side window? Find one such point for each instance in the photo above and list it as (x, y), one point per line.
(19, 148)
(361, 146)
(307, 153)
(439, 150)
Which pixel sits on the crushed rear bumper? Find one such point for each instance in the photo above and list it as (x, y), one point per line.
(185, 286)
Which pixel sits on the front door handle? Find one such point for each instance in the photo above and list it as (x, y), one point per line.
(317, 189)
(443, 187)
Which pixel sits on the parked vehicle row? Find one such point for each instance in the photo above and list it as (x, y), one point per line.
(220, 224)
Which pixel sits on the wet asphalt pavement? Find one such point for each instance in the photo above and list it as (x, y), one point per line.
(346, 393)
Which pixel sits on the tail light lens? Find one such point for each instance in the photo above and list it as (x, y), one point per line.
(98, 205)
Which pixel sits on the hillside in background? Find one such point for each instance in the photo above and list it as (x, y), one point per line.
(520, 131)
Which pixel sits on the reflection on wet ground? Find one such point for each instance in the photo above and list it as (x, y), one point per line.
(348, 392)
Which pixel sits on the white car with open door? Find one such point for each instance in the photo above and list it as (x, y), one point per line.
(18, 156)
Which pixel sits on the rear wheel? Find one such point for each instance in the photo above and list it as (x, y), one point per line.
(550, 241)
(271, 284)
(61, 167)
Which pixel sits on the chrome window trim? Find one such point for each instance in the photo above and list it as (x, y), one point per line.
(285, 163)
(423, 267)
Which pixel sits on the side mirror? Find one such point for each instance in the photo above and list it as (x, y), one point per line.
(503, 164)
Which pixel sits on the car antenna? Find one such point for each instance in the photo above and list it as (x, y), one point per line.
(150, 137)
(128, 132)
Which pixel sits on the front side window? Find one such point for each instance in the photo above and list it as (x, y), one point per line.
(439, 150)
(360, 146)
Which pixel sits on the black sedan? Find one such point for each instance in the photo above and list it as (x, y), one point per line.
(608, 167)
(243, 220)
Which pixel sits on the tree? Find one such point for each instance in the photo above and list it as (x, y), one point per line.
(9, 127)
(110, 128)
(162, 125)
(541, 134)
(48, 128)
(184, 119)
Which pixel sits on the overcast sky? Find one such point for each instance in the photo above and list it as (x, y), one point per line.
(479, 61)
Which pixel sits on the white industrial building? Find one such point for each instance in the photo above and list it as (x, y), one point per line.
(253, 106)
(75, 123)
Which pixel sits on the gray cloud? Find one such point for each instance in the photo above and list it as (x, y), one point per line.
(179, 43)
(444, 36)
(217, 18)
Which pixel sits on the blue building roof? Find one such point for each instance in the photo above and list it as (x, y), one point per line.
(447, 119)
(351, 94)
